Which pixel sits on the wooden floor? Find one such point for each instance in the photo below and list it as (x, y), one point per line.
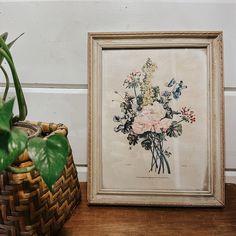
(137, 221)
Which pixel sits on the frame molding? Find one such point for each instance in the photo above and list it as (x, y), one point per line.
(212, 40)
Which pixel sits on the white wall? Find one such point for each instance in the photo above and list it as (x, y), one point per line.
(51, 57)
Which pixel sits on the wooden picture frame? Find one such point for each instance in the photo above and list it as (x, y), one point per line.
(156, 118)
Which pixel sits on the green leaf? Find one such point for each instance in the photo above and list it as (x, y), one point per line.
(174, 130)
(4, 36)
(146, 144)
(7, 83)
(1, 102)
(5, 46)
(12, 144)
(6, 115)
(13, 41)
(49, 156)
(19, 92)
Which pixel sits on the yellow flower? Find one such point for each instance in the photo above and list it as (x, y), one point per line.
(146, 87)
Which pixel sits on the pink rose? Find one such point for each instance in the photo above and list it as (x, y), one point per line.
(151, 119)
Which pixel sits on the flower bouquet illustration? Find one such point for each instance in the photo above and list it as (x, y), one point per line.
(147, 116)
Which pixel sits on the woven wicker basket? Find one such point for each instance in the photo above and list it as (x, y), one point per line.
(27, 206)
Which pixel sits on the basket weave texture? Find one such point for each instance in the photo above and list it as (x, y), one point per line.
(27, 206)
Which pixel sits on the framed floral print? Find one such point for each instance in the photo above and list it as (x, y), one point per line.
(156, 119)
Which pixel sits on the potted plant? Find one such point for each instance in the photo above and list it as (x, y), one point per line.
(31, 153)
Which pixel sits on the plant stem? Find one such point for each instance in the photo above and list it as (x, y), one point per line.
(162, 165)
(158, 148)
(162, 157)
(154, 160)
(157, 154)
(19, 93)
(5, 48)
(158, 151)
(167, 164)
(135, 93)
(6, 84)
(179, 121)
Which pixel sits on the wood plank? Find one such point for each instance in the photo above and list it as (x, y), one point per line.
(54, 47)
(145, 221)
(230, 137)
(67, 106)
(75, 117)
(62, 106)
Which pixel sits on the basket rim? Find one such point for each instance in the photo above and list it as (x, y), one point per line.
(47, 129)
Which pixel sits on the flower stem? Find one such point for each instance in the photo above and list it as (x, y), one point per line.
(135, 93)
(167, 164)
(164, 158)
(161, 165)
(180, 121)
(154, 160)
(158, 151)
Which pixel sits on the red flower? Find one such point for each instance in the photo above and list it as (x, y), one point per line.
(188, 115)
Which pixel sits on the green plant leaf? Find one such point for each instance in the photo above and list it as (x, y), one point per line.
(6, 115)
(147, 144)
(174, 130)
(7, 83)
(13, 41)
(4, 47)
(4, 36)
(12, 144)
(49, 156)
(19, 92)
